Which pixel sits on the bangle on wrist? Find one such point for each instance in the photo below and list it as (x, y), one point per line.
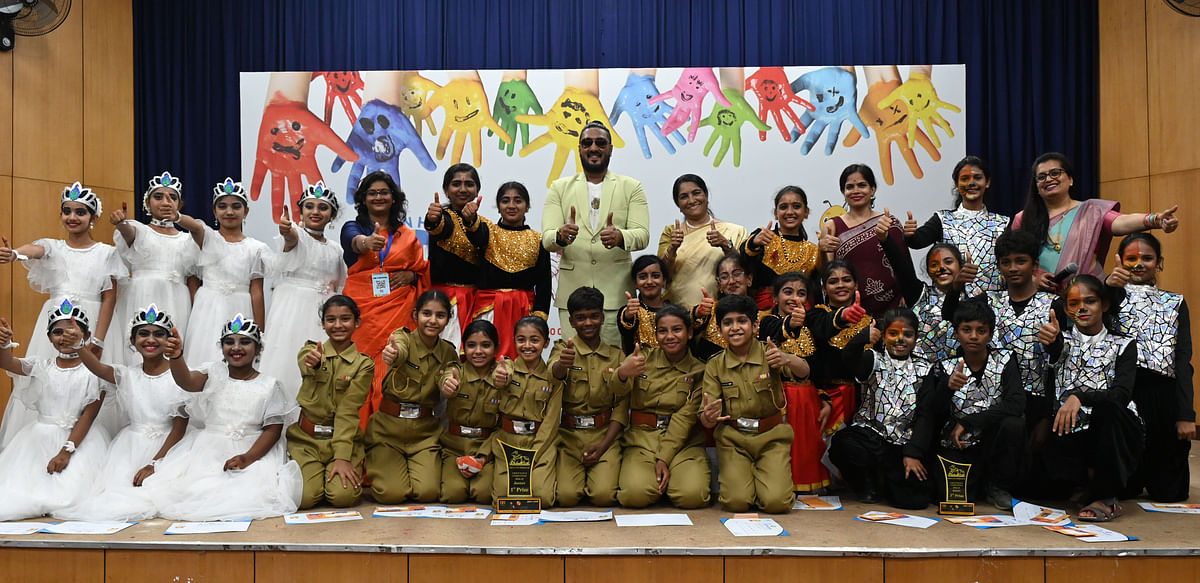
(96, 342)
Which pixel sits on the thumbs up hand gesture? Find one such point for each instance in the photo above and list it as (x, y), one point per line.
(634, 364)
(967, 273)
(567, 356)
(958, 379)
(776, 358)
(677, 235)
(471, 209)
(434, 215)
(312, 359)
(611, 236)
(765, 235)
(1120, 276)
(566, 234)
(390, 351)
(118, 216)
(376, 241)
(828, 242)
(632, 305)
(1049, 331)
(855, 312)
(173, 348)
(286, 229)
(884, 224)
(706, 304)
(715, 238)
(450, 385)
(910, 226)
(500, 375)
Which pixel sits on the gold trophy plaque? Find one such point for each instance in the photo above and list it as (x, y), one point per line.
(518, 498)
(956, 500)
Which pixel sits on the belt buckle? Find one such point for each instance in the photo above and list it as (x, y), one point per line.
(322, 431)
(747, 424)
(410, 411)
(584, 421)
(662, 421)
(522, 427)
(470, 431)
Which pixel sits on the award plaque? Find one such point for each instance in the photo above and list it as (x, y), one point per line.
(518, 497)
(956, 501)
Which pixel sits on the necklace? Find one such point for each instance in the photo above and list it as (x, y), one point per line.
(164, 223)
(315, 232)
(1056, 237)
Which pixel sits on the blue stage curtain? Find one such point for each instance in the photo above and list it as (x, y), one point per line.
(1032, 65)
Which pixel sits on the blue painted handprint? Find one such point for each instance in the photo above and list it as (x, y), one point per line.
(634, 98)
(381, 133)
(832, 91)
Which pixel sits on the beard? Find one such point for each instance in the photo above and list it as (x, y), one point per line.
(590, 168)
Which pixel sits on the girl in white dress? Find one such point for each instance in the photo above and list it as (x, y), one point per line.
(154, 403)
(236, 466)
(231, 271)
(77, 268)
(306, 272)
(56, 460)
(160, 260)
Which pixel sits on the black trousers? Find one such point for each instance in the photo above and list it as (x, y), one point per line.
(1103, 457)
(864, 458)
(995, 460)
(1163, 472)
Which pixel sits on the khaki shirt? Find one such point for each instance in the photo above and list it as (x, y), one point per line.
(412, 377)
(533, 395)
(586, 389)
(667, 388)
(477, 401)
(333, 392)
(749, 389)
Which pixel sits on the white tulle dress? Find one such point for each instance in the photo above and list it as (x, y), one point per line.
(159, 266)
(190, 483)
(152, 404)
(58, 396)
(80, 275)
(304, 278)
(226, 269)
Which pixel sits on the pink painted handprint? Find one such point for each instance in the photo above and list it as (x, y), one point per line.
(689, 92)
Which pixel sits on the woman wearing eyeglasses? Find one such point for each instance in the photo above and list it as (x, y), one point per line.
(1074, 231)
(387, 269)
(692, 247)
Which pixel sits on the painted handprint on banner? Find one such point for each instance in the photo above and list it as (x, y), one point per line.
(513, 98)
(689, 92)
(891, 126)
(466, 107)
(832, 91)
(287, 141)
(923, 104)
(774, 93)
(345, 87)
(565, 120)
(726, 123)
(634, 99)
(381, 133)
(415, 92)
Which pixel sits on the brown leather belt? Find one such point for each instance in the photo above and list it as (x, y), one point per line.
(649, 420)
(316, 430)
(519, 426)
(405, 410)
(468, 432)
(586, 421)
(751, 425)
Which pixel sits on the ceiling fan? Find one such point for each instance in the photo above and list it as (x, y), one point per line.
(29, 18)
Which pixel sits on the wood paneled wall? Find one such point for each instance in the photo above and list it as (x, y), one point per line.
(1149, 146)
(66, 114)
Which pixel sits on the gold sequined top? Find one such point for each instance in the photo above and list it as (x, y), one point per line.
(453, 257)
(513, 259)
(641, 331)
(783, 254)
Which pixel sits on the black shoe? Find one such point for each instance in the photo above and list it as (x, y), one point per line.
(999, 498)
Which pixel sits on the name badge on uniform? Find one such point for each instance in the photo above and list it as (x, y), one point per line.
(380, 284)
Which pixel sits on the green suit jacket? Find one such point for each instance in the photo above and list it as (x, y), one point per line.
(585, 261)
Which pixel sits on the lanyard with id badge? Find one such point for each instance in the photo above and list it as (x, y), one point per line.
(381, 285)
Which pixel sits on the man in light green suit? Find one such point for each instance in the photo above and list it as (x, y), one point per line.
(596, 218)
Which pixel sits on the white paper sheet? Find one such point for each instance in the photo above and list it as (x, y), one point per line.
(986, 520)
(576, 516)
(1175, 508)
(754, 527)
(87, 527)
(653, 520)
(897, 519)
(16, 528)
(318, 517)
(1094, 533)
(409, 511)
(1040, 515)
(468, 512)
(817, 503)
(208, 527)
(516, 519)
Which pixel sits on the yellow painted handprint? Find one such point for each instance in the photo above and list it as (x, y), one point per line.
(565, 120)
(466, 107)
(414, 100)
(923, 104)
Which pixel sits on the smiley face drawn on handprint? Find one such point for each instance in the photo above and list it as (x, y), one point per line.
(384, 148)
(342, 81)
(726, 118)
(571, 119)
(770, 89)
(286, 139)
(692, 87)
(835, 97)
(463, 109)
(895, 115)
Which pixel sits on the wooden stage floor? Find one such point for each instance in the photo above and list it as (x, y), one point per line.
(431, 549)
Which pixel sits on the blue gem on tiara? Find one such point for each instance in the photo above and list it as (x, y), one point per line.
(165, 179)
(319, 190)
(228, 186)
(74, 195)
(151, 314)
(66, 306)
(236, 325)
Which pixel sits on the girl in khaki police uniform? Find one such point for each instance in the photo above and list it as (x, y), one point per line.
(530, 406)
(335, 380)
(663, 449)
(402, 436)
(472, 414)
(744, 401)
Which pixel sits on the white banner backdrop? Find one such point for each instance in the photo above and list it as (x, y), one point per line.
(740, 192)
